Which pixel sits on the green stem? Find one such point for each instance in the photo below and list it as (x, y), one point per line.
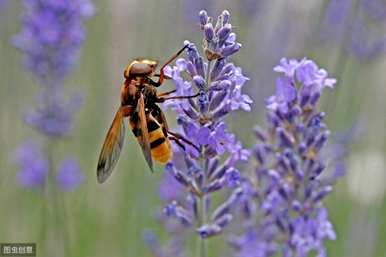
(54, 223)
(204, 213)
(52, 197)
(204, 242)
(43, 218)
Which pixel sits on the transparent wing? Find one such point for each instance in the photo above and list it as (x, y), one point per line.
(111, 148)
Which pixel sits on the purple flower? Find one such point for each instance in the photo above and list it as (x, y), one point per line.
(33, 165)
(55, 121)
(305, 72)
(280, 202)
(69, 175)
(288, 67)
(219, 140)
(183, 87)
(252, 244)
(238, 100)
(309, 74)
(169, 188)
(52, 35)
(209, 167)
(284, 203)
(232, 177)
(309, 234)
(285, 93)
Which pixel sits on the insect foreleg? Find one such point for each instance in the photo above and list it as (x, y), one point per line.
(182, 138)
(171, 59)
(167, 93)
(165, 76)
(163, 99)
(177, 142)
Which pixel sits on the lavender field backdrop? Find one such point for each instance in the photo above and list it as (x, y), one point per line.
(289, 124)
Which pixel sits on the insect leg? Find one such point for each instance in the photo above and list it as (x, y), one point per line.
(172, 58)
(163, 99)
(182, 138)
(177, 142)
(165, 76)
(167, 93)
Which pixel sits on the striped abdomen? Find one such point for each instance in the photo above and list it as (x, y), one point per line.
(160, 146)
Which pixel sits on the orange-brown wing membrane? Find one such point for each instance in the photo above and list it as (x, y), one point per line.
(111, 147)
(143, 138)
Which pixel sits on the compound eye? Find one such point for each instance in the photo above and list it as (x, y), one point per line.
(140, 69)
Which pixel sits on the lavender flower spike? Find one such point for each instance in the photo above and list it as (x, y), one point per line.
(50, 39)
(201, 174)
(287, 189)
(52, 35)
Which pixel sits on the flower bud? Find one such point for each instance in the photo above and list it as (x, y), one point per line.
(199, 82)
(223, 33)
(231, 49)
(203, 15)
(208, 32)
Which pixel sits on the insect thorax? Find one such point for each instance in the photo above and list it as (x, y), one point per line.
(134, 87)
